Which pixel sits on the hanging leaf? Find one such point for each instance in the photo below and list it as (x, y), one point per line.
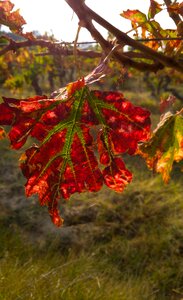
(165, 145)
(154, 9)
(64, 161)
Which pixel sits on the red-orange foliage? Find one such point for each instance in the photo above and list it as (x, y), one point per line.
(64, 161)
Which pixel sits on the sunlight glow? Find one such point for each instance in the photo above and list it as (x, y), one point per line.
(57, 17)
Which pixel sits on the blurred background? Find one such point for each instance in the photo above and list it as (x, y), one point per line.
(112, 246)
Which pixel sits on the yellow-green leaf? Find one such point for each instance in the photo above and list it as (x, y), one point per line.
(165, 146)
(134, 16)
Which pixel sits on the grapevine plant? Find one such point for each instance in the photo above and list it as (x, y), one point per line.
(80, 134)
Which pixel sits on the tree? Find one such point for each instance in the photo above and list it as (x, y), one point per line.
(63, 161)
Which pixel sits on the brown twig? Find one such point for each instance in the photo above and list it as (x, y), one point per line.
(95, 42)
(61, 49)
(53, 48)
(107, 46)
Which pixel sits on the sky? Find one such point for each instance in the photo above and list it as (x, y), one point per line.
(57, 17)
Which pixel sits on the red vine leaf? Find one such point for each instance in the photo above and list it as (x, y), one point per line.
(116, 176)
(165, 145)
(64, 160)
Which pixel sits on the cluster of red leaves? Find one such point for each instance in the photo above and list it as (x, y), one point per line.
(64, 161)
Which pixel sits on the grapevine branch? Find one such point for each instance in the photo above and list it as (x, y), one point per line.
(139, 40)
(54, 48)
(156, 60)
(86, 16)
(62, 49)
(120, 56)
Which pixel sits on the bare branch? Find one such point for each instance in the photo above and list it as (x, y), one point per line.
(60, 49)
(54, 48)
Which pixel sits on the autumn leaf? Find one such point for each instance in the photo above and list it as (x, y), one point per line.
(134, 16)
(64, 160)
(173, 47)
(24, 115)
(176, 8)
(2, 133)
(154, 9)
(10, 18)
(151, 29)
(180, 28)
(165, 146)
(139, 19)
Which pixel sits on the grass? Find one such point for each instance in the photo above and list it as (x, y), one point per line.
(28, 274)
(141, 258)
